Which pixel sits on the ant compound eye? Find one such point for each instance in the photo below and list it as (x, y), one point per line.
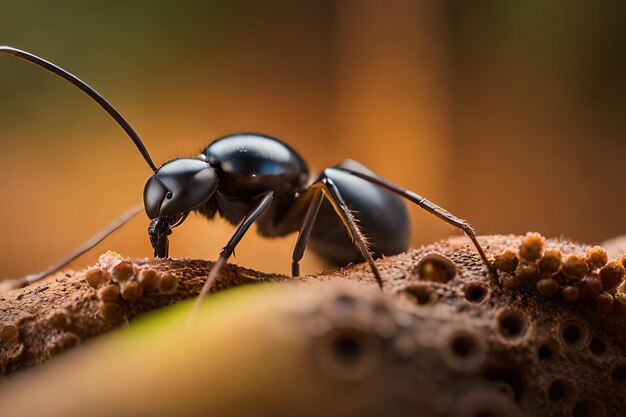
(169, 195)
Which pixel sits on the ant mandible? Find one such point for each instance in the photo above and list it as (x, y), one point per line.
(252, 178)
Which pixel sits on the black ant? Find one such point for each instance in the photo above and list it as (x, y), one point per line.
(248, 178)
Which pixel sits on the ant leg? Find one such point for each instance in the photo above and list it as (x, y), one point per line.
(428, 206)
(331, 192)
(228, 250)
(305, 231)
(89, 244)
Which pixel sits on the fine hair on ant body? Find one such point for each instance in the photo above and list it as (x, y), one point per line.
(251, 178)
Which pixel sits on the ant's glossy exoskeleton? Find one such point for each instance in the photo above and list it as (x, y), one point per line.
(251, 178)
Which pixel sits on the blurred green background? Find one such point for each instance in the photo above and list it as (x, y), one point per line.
(509, 114)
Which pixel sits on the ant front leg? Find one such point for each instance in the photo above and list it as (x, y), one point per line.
(75, 254)
(228, 250)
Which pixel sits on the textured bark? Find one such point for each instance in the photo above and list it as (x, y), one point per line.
(449, 338)
(44, 319)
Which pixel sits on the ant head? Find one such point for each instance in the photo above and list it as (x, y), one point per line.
(178, 187)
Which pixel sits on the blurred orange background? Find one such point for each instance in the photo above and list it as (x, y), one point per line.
(510, 115)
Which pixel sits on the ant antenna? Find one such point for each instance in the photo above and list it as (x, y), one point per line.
(34, 59)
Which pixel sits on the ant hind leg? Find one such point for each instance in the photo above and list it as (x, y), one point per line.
(429, 207)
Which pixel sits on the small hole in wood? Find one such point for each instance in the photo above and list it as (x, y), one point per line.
(557, 390)
(571, 333)
(597, 346)
(475, 292)
(512, 324)
(436, 268)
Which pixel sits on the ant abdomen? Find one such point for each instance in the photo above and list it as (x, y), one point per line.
(382, 217)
